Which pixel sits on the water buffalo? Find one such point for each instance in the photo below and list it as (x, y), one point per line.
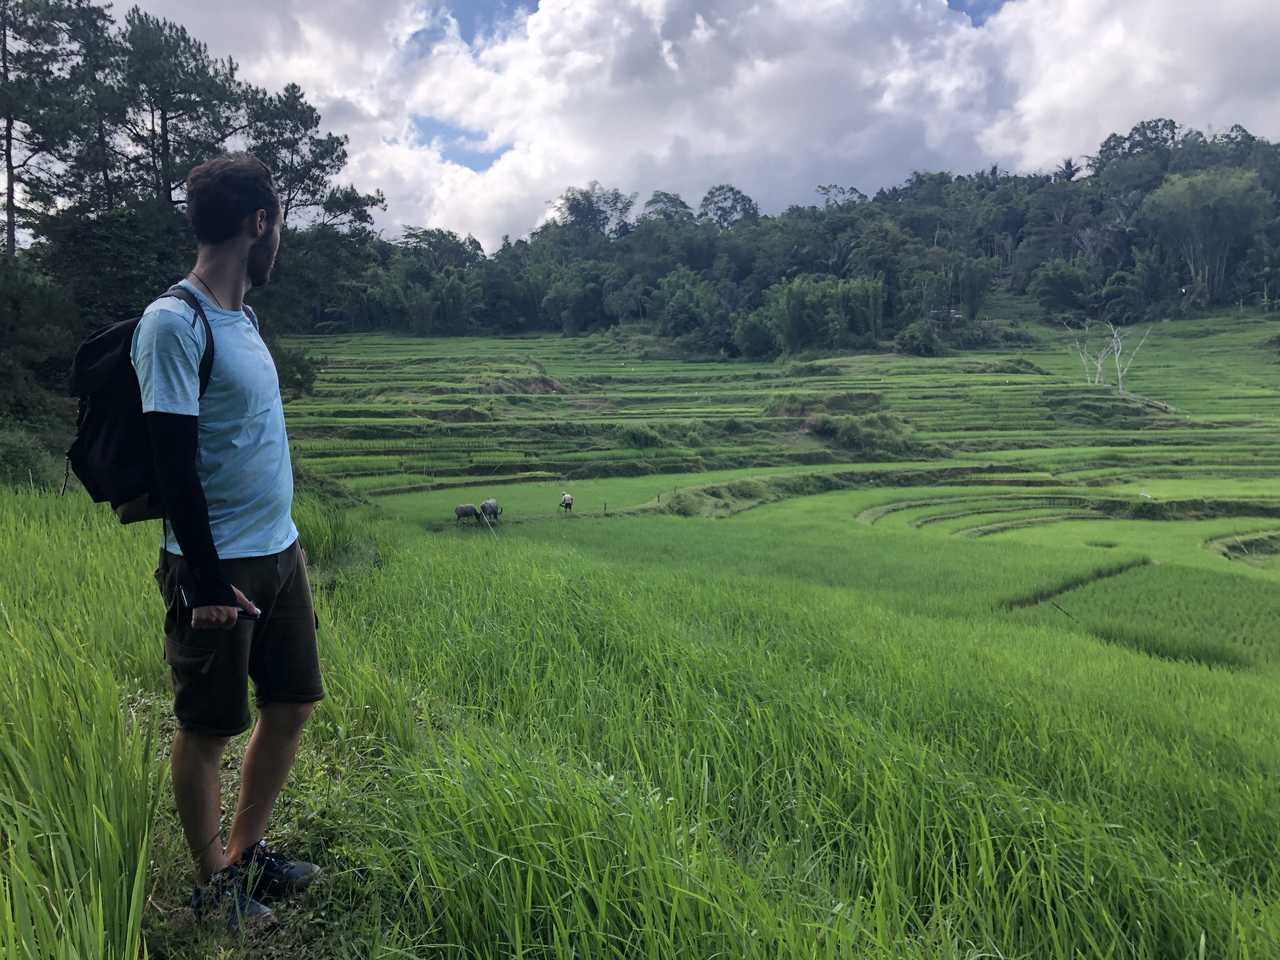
(466, 511)
(490, 510)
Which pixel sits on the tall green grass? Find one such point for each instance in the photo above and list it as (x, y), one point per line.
(798, 762)
(78, 774)
(328, 533)
(531, 749)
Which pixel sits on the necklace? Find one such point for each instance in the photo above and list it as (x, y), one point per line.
(210, 289)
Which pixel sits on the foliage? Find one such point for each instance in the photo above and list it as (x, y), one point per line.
(754, 335)
(24, 460)
(38, 327)
(1121, 300)
(147, 243)
(683, 302)
(101, 124)
(1207, 218)
(295, 369)
(574, 301)
(108, 119)
(725, 205)
(1061, 286)
(825, 313)
(919, 339)
(871, 436)
(641, 437)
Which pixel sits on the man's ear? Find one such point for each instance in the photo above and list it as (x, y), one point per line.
(260, 225)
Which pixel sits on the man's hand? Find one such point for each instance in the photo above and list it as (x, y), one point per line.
(222, 618)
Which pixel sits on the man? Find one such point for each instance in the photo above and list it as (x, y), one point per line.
(232, 573)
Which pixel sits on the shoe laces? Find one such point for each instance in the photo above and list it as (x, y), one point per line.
(261, 855)
(227, 884)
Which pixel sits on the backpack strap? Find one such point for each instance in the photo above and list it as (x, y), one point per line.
(192, 301)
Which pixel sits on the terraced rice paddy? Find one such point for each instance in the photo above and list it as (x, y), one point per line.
(422, 425)
(391, 416)
(1012, 693)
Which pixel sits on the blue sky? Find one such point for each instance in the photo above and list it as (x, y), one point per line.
(978, 10)
(479, 16)
(475, 16)
(456, 144)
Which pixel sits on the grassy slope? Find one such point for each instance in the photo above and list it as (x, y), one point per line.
(813, 730)
(529, 747)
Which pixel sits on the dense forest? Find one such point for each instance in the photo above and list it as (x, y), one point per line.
(102, 120)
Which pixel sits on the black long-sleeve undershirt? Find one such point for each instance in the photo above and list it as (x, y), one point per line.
(173, 445)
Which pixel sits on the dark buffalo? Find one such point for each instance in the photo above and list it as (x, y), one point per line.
(490, 510)
(466, 511)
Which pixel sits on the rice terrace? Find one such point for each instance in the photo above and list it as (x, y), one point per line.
(1012, 689)
(415, 548)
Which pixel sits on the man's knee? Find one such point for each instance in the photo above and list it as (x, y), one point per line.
(201, 746)
(287, 719)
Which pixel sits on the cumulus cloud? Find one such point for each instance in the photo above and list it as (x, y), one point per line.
(775, 96)
(1081, 69)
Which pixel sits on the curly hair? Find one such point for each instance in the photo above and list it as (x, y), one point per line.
(223, 191)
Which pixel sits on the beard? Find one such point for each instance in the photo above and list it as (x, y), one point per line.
(262, 258)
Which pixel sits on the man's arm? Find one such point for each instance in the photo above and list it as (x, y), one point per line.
(173, 446)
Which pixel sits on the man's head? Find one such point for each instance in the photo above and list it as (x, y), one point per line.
(231, 202)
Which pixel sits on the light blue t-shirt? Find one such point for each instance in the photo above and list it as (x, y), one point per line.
(242, 451)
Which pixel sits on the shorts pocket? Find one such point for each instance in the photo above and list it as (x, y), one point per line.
(174, 609)
(187, 659)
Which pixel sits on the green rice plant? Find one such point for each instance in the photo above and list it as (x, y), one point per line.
(922, 775)
(533, 747)
(327, 534)
(819, 727)
(78, 775)
(1179, 613)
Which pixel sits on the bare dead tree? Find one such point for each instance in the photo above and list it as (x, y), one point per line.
(1116, 349)
(1093, 362)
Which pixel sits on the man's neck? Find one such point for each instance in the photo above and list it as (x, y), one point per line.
(221, 274)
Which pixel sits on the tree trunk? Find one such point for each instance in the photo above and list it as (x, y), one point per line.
(10, 193)
(153, 152)
(166, 163)
(104, 156)
(10, 214)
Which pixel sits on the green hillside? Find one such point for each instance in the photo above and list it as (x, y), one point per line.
(985, 666)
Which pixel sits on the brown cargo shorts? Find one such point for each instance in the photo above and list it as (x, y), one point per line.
(211, 668)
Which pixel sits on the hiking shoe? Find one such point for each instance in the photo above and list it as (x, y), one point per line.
(272, 874)
(227, 895)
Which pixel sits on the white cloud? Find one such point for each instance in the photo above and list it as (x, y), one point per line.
(775, 96)
(1079, 70)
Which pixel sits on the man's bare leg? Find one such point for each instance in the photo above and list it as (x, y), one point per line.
(266, 765)
(193, 767)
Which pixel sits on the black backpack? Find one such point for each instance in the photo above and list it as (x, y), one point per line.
(111, 452)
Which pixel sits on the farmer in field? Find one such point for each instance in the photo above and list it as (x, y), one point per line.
(566, 502)
(232, 573)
